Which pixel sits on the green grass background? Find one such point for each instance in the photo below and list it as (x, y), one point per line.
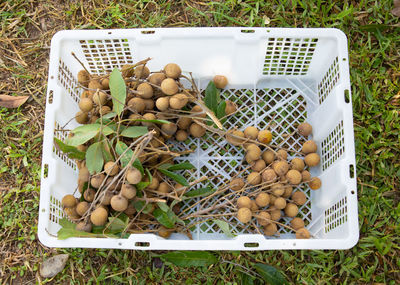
(374, 45)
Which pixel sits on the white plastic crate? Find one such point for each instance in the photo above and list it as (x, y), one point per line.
(293, 74)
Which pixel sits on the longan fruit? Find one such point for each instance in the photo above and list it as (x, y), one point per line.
(119, 203)
(280, 203)
(244, 215)
(270, 229)
(254, 206)
(268, 156)
(97, 180)
(130, 210)
(269, 175)
(181, 135)
(107, 198)
(157, 78)
(276, 214)
(86, 105)
(264, 136)
(81, 117)
(68, 201)
(306, 176)
(259, 165)
(71, 213)
(137, 104)
(85, 94)
(282, 154)
(84, 227)
(278, 189)
(315, 183)
(281, 167)
(251, 132)
(243, 202)
(133, 175)
(162, 103)
(253, 151)
(127, 70)
(99, 216)
(142, 72)
(288, 191)
(293, 176)
(164, 187)
(299, 198)
(81, 147)
(169, 86)
(272, 199)
(149, 104)
(297, 223)
(113, 185)
(309, 147)
(236, 184)
(105, 83)
(148, 116)
(184, 123)
(83, 77)
(198, 112)
(169, 129)
(94, 84)
(264, 218)
(111, 168)
(254, 178)
(304, 129)
(291, 210)
(262, 199)
(178, 101)
(89, 195)
(128, 191)
(100, 98)
(82, 208)
(311, 159)
(164, 232)
(93, 119)
(145, 90)
(302, 233)
(297, 163)
(196, 130)
(172, 70)
(230, 107)
(179, 187)
(220, 81)
(233, 140)
(104, 110)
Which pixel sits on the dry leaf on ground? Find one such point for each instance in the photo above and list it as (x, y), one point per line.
(396, 9)
(12, 101)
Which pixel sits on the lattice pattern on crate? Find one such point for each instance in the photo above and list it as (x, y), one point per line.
(56, 211)
(289, 56)
(336, 215)
(329, 80)
(61, 135)
(333, 146)
(68, 81)
(104, 55)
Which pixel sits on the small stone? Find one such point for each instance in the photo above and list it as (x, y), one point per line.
(52, 266)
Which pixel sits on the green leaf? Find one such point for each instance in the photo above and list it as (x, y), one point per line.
(247, 279)
(118, 91)
(68, 230)
(189, 258)
(94, 158)
(181, 166)
(167, 219)
(221, 109)
(70, 151)
(270, 274)
(199, 192)
(141, 185)
(150, 121)
(211, 97)
(106, 151)
(139, 205)
(120, 148)
(116, 224)
(138, 165)
(163, 206)
(86, 132)
(134, 131)
(106, 118)
(224, 226)
(165, 165)
(174, 176)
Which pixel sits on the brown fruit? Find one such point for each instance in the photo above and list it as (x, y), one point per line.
(97, 180)
(99, 216)
(142, 72)
(164, 232)
(244, 215)
(89, 195)
(304, 129)
(244, 202)
(68, 201)
(119, 203)
(94, 85)
(111, 168)
(297, 223)
(184, 123)
(230, 107)
(82, 208)
(309, 147)
(133, 175)
(84, 227)
(148, 116)
(235, 137)
(178, 101)
(259, 165)
(196, 130)
(105, 83)
(179, 187)
(264, 218)
(281, 167)
(162, 103)
(288, 191)
(181, 135)
(264, 136)
(149, 104)
(268, 156)
(302, 233)
(100, 98)
(128, 191)
(130, 210)
(136, 105)
(157, 78)
(172, 70)
(315, 183)
(197, 111)
(269, 175)
(262, 199)
(254, 206)
(220, 81)
(81, 147)
(251, 132)
(84, 174)
(253, 152)
(293, 176)
(305, 176)
(169, 86)
(107, 198)
(236, 184)
(164, 187)
(81, 117)
(104, 110)
(83, 77)
(276, 215)
(85, 94)
(154, 183)
(254, 178)
(311, 159)
(278, 189)
(297, 163)
(282, 154)
(145, 90)
(299, 198)
(169, 129)
(270, 229)
(113, 185)
(127, 70)
(291, 210)
(86, 105)
(280, 203)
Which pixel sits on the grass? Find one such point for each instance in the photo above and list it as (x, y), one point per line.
(374, 39)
